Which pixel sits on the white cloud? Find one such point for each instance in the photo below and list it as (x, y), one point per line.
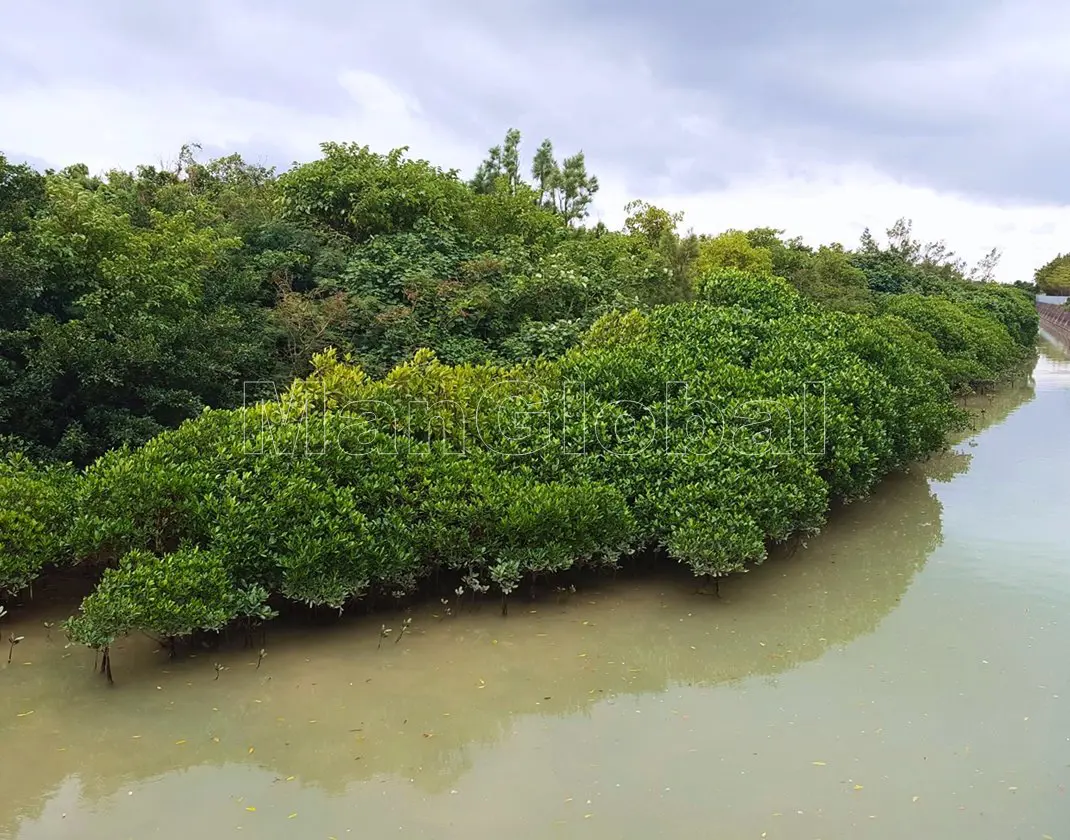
(107, 127)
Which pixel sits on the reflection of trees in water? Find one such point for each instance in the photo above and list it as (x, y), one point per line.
(798, 604)
(1054, 348)
(839, 587)
(988, 410)
(945, 467)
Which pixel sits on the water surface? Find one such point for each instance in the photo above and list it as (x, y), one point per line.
(902, 675)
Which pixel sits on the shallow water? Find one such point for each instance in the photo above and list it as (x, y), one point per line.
(903, 675)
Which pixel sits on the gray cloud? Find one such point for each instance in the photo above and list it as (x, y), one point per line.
(959, 96)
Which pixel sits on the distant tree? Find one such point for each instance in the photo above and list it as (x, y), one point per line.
(985, 270)
(830, 279)
(732, 249)
(544, 171)
(575, 189)
(501, 162)
(907, 264)
(361, 194)
(652, 223)
(1053, 278)
(566, 188)
(657, 229)
(789, 255)
(902, 243)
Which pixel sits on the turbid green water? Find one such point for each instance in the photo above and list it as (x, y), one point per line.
(905, 675)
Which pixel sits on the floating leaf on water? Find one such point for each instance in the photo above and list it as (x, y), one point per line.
(24, 714)
(858, 787)
(250, 808)
(182, 741)
(251, 749)
(294, 814)
(290, 778)
(818, 763)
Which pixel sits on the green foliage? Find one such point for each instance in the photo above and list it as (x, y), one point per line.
(1053, 278)
(974, 348)
(757, 292)
(830, 279)
(503, 162)
(356, 192)
(732, 250)
(656, 229)
(325, 510)
(167, 597)
(1012, 306)
(35, 507)
(827, 276)
(155, 497)
(565, 188)
(120, 329)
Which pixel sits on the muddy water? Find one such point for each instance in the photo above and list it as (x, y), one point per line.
(903, 675)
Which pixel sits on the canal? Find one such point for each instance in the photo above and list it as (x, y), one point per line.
(904, 674)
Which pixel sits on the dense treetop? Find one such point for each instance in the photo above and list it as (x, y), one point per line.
(1053, 278)
(134, 300)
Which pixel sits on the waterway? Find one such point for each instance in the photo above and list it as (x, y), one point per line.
(904, 674)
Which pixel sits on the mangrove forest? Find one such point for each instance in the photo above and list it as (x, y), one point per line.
(228, 392)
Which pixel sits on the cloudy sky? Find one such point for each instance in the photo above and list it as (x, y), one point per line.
(817, 116)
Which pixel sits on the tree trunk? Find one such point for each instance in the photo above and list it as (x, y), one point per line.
(105, 666)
